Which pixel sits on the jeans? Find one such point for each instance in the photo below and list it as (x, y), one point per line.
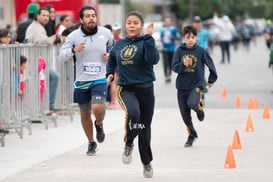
(53, 85)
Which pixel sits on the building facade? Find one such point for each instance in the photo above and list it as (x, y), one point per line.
(7, 14)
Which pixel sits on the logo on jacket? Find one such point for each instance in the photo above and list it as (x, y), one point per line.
(127, 54)
(192, 62)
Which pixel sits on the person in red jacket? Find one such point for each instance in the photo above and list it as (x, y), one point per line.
(23, 65)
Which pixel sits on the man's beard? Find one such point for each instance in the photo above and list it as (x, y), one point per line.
(89, 30)
(90, 27)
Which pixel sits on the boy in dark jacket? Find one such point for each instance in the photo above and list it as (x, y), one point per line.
(189, 61)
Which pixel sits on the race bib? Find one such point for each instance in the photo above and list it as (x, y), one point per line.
(92, 68)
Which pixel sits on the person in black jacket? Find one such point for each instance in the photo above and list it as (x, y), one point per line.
(189, 61)
(32, 11)
(135, 56)
(50, 26)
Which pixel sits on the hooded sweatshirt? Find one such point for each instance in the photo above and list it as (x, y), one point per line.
(193, 75)
(135, 59)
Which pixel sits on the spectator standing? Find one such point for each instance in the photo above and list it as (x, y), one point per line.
(5, 36)
(50, 26)
(36, 34)
(32, 10)
(23, 65)
(65, 23)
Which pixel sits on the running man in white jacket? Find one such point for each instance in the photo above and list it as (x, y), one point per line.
(89, 44)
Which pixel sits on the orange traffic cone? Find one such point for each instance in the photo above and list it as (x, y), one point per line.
(266, 114)
(249, 124)
(230, 161)
(224, 92)
(236, 141)
(255, 103)
(238, 102)
(250, 103)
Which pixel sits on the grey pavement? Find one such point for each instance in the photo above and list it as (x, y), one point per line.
(58, 154)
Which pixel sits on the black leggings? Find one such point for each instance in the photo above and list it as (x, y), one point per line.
(138, 104)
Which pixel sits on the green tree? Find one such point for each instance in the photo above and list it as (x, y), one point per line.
(232, 8)
(128, 6)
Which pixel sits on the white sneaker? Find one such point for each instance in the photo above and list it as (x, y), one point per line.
(127, 155)
(148, 171)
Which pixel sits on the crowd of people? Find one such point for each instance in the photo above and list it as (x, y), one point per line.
(112, 68)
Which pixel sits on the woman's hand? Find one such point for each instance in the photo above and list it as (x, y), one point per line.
(149, 30)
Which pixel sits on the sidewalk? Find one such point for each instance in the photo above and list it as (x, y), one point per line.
(59, 154)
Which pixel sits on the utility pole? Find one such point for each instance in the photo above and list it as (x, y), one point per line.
(191, 9)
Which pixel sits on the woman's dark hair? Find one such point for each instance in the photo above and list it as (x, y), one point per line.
(4, 32)
(189, 29)
(136, 13)
(86, 8)
(63, 17)
(23, 59)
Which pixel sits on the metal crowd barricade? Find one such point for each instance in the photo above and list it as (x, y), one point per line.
(65, 88)
(40, 78)
(13, 112)
(17, 112)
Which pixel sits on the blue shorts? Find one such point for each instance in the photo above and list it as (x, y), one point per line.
(84, 96)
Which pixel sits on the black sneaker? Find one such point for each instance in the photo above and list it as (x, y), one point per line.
(100, 133)
(127, 155)
(200, 115)
(148, 170)
(92, 148)
(190, 141)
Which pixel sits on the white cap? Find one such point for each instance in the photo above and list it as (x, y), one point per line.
(116, 26)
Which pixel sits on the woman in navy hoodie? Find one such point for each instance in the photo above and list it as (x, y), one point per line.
(135, 56)
(189, 61)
